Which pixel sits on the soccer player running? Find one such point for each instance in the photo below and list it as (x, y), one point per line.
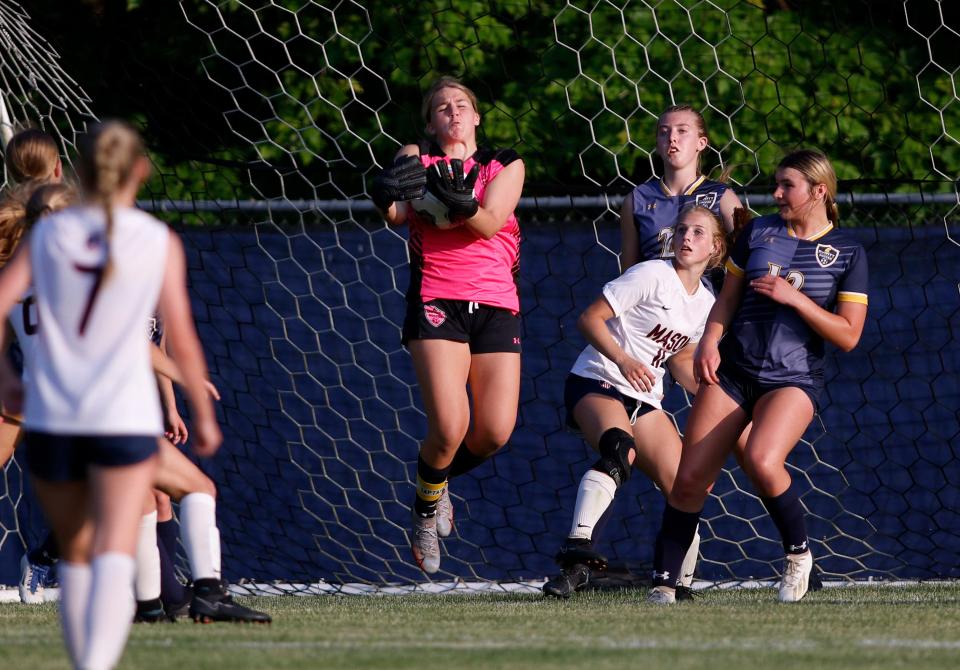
(793, 283)
(653, 313)
(462, 326)
(92, 412)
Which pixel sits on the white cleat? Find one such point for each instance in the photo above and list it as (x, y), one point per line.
(445, 513)
(425, 544)
(662, 595)
(796, 577)
(33, 581)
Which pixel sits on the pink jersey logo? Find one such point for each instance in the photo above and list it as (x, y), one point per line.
(435, 315)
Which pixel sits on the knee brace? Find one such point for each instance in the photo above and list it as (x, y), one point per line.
(615, 447)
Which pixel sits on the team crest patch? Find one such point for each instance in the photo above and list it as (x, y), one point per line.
(827, 255)
(707, 200)
(435, 315)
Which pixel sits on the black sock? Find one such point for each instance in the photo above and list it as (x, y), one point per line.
(430, 484)
(465, 460)
(601, 524)
(676, 533)
(167, 534)
(206, 586)
(171, 590)
(788, 515)
(47, 553)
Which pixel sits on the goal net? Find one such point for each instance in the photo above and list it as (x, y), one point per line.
(298, 287)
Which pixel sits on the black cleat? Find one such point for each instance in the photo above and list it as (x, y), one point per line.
(213, 605)
(571, 580)
(181, 609)
(686, 593)
(149, 611)
(580, 553)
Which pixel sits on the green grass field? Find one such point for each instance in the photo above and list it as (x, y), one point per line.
(849, 627)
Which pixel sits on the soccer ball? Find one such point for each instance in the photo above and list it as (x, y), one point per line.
(431, 210)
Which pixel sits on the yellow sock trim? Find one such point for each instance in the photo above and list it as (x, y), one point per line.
(429, 492)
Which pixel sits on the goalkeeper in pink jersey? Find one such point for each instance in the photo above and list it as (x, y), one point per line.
(462, 326)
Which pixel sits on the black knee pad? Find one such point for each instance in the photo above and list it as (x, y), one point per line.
(615, 447)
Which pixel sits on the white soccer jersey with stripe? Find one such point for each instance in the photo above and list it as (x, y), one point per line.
(91, 372)
(654, 318)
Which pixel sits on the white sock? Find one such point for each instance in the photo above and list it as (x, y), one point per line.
(74, 594)
(201, 539)
(689, 565)
(147, 584)
(593, 498)
(109, 611)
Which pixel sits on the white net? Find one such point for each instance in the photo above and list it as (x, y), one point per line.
(300, 311)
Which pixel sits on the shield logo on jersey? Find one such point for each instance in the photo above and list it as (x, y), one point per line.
(827, 255)
(707, 200)
(435, 315)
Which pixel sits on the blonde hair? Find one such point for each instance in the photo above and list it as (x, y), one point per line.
(719, 236)
(108, 153)
(701, 132)
(12, 226)
(31, 154)
(816, 169)
(47, 199)
(426, 109)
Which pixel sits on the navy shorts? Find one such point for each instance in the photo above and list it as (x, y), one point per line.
(486, 329)
(746, 391)
(65, 458)
(576, 387)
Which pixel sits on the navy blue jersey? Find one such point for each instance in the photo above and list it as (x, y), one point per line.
(768, 341)
(655, 212)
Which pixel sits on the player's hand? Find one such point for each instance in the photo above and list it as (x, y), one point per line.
(454, 190)
(212, 390)
(206, 437)
(637, 375)
(777, 289)
(406, 179)
(175, 429)
(706, 360)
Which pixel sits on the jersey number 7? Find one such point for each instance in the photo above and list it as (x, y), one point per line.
(97, 272)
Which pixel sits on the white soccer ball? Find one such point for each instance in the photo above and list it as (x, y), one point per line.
(432, 211)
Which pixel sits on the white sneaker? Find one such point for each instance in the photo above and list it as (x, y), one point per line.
(662, 595)
(424, 543)
(33, 580)
(689, 565)
(796, 576)
(445, 513)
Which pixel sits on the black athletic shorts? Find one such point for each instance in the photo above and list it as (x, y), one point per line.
(746, 391)
(576, 387)
(486, 329)
(65, 458)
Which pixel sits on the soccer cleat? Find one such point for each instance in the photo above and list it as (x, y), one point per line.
(34, 578)
(796, 576)
(445, 513)
(686, 593)
(571, 580)
(179, 610)
(149, 611)
(572, 553)
(213, 605)
(425, 544)
(662, 595)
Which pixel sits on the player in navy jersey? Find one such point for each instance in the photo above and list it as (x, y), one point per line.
(653, 313)
(793, 283)
(650, 211)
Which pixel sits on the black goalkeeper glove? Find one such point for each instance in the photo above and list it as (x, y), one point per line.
(406, 179)
(449, 185)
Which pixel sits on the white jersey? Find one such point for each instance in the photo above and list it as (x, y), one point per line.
(654, 318)
(91, 372)
(23, 321)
